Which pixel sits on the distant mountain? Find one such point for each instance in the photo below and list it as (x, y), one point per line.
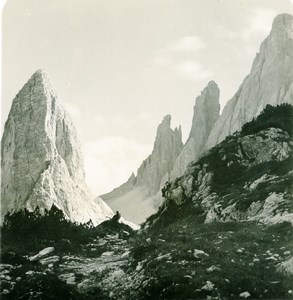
(270, 81)
(41, 160)
(140, 196)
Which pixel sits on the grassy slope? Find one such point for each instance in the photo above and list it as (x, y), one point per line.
(247, 255)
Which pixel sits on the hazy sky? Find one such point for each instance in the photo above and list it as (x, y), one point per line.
(119, 66)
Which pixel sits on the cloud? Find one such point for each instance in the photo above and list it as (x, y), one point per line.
(260, 22)
(172, 59)
(167, 55)
(109, 161)
(188, 43)
(192, 70)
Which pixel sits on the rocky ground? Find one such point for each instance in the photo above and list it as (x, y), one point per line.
(100, 265)
(191, 260)
(185, 260)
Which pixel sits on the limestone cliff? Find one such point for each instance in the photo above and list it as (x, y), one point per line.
(206, 113)
(41, 160)
(168, 145)
(270, 82)
(140, 196)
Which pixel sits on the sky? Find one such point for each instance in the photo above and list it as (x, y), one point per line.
(119, 67)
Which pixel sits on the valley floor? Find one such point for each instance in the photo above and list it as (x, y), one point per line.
(185, 260)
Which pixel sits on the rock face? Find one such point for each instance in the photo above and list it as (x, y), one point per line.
(140, 196)
(206, 113)
(269, 82)
(168, 145)
(41, 161)
(246, 177)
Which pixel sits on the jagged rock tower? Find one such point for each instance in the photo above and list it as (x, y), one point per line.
(206, 112)
(140, 196)
(41, 162)
(270, 82)
(157, 167)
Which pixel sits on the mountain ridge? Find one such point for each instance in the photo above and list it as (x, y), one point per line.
(270, 81)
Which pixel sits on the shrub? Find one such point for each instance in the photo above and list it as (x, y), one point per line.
(280, 116)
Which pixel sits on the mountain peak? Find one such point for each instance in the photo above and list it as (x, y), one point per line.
(166, 133)
(40, 76)
(40, 72)
(167, 121)
(206, 110)
(206, 113)
(38, 87)
(41, 160)
(283, 20)
(212, 84)
(270, 82)
(282, 28)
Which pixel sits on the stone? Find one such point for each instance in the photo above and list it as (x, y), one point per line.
(108, 253)
(213, 268)
(197, 253)
(272, 211)
(167, 256)
(42, 253)
(244, 295)
(5, 266)
(69, 278)
(49, 260)
(209, 286)
(41, 159)
(30, 273)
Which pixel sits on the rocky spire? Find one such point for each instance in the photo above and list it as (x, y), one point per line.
(168, 145)
(41, 160)
(140, 196)
(270, 82)
(206, 113)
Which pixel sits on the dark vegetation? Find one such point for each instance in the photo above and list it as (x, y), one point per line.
(245, 253)
(228, 180)
(47, 285)
(170, 212)
(280, 116)
(227, 177)
(26, 232)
